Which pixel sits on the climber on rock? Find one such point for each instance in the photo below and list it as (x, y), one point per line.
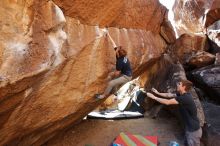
(187, 108)
(122, 75)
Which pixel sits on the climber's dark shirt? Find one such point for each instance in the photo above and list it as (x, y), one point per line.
(123, 65)
(188, 111)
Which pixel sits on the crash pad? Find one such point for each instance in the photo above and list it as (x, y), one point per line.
(135, 140)
(114, 114)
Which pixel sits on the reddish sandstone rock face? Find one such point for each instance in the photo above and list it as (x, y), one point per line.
(141, 45)
(31, 43)
(188, 45)
(167, 31)
(201, 59)
(137, 14)
(213, 14)
(192, 16)
(52, 65)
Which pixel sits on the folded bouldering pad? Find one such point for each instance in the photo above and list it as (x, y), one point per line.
(135, 140)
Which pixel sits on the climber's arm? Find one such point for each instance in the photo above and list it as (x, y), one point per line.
(163, 101)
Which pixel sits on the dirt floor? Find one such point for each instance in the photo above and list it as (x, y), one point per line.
(102, 132)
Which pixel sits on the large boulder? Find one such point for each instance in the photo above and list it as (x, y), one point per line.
(187, 45)
(214, 48)
(208, 79)
(52, 65)
(167, 74)
(136, 14)
(166, 30)
(211, 131)
(213, 14)
(193, 16)
(201, 59)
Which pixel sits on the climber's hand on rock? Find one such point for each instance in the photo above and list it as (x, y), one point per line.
(155, 90)
(105, 32)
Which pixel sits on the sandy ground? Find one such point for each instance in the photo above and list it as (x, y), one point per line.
(103, 132)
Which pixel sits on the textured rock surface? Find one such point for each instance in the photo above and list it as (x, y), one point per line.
(214, 36)
(201, 59)
(141, 45)
(213, 13)
(31, 43)
(136, 14)
(192, 16)
(217, 59)
(52, 65)
(214, 48)
(211, 131)
(164, 79)
(208, 78)
(167, 31)
(188, 45)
